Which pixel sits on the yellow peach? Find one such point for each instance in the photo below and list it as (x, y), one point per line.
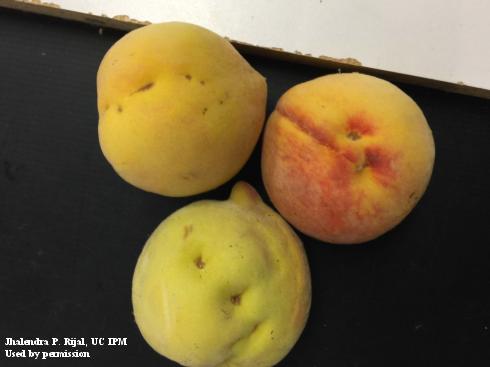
(180, 110)
(346, 157)
(223, 283)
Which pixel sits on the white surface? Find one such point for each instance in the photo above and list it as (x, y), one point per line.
(447, 40)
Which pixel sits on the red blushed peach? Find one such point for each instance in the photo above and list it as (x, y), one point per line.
(346, 157)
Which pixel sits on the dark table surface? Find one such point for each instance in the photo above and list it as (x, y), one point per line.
(71, 229)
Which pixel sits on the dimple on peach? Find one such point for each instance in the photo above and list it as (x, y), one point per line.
(346, 157)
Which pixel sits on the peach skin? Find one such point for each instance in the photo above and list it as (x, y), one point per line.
(346, 157)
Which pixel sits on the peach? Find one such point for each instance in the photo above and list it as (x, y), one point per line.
(180, 110)
(346, 157)
(223, 284)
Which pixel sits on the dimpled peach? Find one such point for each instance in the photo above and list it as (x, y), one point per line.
(180, 110)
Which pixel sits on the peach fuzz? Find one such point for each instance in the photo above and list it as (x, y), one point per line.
(346, 157)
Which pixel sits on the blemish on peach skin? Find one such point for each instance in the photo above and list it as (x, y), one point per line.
(303, 122)
(360, 124)
(382, 163)
(200, 264)
(145, 87)
(187, 230)
(236, 299)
